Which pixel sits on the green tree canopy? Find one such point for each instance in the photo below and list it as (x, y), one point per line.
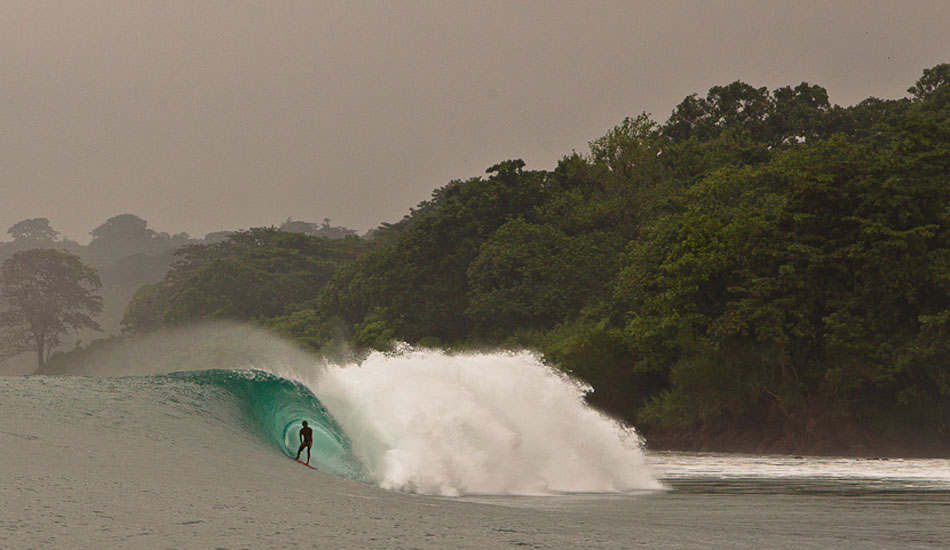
(316, 230)
(760, 255)
(763, 262)
(256, 274)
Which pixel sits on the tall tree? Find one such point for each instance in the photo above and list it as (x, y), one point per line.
(934, 78)
(36, 229)
(43, 295)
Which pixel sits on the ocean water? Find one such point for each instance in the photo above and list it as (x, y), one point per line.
(185, 440)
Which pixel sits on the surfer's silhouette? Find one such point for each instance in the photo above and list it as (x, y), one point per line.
(306, 440)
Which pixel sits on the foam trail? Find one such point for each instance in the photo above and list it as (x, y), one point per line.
(500, 423)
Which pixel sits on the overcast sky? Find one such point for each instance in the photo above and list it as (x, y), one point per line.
(209, 115)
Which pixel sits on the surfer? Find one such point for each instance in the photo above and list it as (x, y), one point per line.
(306, 440)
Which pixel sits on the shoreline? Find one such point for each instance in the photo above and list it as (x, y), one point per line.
(752, 443)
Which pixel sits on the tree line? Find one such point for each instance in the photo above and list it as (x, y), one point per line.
(763, 266)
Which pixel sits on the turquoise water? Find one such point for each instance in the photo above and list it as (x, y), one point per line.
(275, 409)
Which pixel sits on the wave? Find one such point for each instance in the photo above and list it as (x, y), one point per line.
(276, 408)
(423, 421)
(484, 423)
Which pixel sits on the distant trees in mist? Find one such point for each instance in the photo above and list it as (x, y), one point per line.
(256, 274)
(44, 294)
(125, 254)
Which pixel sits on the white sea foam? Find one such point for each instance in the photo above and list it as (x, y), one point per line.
(488, 423)
(881, 473)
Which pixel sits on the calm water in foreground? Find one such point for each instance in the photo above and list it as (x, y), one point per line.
(744, 501)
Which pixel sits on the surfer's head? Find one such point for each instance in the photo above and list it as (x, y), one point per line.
(304, 422)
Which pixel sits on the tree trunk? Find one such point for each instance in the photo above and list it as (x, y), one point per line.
(40, 356)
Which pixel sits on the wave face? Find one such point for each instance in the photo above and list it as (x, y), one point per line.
(421, 421)
(276, 407)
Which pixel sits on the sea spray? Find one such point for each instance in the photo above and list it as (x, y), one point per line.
(490, 423)
(196, 346)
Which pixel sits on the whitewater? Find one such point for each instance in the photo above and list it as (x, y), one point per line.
(185, 439)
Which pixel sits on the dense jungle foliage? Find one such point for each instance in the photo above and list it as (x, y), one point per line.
(763, 263)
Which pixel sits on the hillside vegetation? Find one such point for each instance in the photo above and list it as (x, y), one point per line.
(763, 271)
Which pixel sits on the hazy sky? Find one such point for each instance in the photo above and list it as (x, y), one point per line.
(207, 115)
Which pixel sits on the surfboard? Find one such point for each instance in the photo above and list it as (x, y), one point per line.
(304, 463)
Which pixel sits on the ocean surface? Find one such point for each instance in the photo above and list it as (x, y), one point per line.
(186, 439)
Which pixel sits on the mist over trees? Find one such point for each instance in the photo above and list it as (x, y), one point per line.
(256, 274)
(36, 230)
(125, 254)
(44, 294)
(128, 235)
